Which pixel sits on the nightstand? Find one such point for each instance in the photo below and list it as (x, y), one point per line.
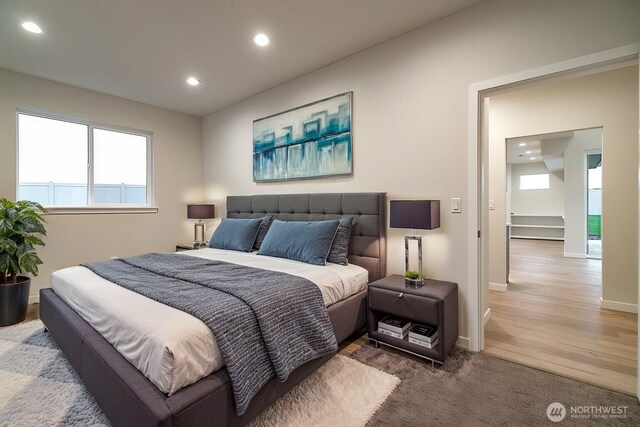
(434, 304)
(188, 247)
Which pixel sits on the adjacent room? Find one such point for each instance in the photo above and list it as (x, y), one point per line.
(347, 213)
(562, 298)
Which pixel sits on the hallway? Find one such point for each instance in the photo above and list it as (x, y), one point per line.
(551, 319)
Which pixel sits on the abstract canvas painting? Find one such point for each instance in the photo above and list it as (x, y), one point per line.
(306, 142)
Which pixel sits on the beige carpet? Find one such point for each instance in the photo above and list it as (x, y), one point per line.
(480, 390)
(38, 387)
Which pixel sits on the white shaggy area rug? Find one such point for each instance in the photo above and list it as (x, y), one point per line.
(343, 392)
(38, 387)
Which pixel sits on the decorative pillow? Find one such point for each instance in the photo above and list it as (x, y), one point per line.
(306, 241)
(340, 246)
(236, 234)
(262, 231)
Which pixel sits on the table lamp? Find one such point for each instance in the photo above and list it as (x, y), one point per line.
(415, 214)
(200, 212)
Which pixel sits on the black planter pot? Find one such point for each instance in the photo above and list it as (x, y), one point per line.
(14, 300)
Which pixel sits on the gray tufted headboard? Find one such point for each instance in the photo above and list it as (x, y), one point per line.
(368, 247)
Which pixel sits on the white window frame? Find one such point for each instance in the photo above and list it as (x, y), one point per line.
(535, 188)
(148, 207)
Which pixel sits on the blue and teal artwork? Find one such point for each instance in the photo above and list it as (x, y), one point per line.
(306, 142)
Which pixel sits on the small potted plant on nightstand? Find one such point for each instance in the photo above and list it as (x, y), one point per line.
(413, 279)
(20, 228)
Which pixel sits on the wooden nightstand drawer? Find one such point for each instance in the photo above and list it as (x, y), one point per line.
(413, 307)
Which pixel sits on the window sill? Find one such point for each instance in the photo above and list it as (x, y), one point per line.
(88, 210)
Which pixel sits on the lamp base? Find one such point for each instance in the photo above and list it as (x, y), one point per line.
(198, 235)
(406, 252)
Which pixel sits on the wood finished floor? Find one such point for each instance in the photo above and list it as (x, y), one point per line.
(551, 319)
(353, 343)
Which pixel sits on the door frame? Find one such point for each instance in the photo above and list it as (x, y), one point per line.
(477, 189)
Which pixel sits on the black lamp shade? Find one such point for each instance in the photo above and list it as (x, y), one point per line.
(200, 211)
(420, 214)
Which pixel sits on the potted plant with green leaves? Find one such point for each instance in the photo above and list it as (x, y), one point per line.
(414, 279)
(21, 226)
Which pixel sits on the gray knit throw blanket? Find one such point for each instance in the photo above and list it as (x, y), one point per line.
(266, 323)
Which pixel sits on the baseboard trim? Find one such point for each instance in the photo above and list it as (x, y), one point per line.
(463, 342)
(619, 306)
(34, 299)
(574, 255)
(487, 316)
(500, 287)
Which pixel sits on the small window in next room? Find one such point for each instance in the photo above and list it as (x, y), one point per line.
(73, 163)
(534, 182)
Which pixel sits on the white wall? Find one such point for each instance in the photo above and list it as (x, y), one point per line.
(411, 109)
(177, 150)
(548, 201)
(508, 208)
(575, 227)
(608, 100)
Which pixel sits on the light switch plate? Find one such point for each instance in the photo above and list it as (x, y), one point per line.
(456, 205)
(492, 205)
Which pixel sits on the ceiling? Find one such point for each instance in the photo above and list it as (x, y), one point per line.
(518, 153)
(548, 148)
(145, 49)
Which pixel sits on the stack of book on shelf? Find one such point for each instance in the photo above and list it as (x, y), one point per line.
(425, 336)
(394, 327)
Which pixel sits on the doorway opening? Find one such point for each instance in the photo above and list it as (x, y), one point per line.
(544, 183)
(594, 204)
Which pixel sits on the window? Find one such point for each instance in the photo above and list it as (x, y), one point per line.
(70, 163)
(534, 182)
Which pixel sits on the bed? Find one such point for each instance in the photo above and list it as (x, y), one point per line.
(128, 398)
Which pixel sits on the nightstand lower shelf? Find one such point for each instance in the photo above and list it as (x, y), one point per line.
(403, 345)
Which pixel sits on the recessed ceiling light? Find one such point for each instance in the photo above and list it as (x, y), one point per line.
(193, 81)
(532, 158)
(522, 144)
(528, 152)
(32, 27)
(260, 39)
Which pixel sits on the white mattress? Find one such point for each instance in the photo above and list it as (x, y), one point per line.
(170, 347)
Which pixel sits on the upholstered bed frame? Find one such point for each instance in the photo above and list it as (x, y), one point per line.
(128, 398)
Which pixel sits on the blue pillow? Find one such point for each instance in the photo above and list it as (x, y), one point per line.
(262, 231)
(340, 246)
(306, 241)
(236, 234)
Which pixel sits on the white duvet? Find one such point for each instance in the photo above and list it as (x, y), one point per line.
(170, 347)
